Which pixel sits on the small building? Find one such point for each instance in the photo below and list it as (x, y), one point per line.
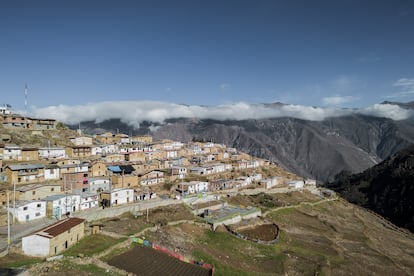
(81, 141)
(37, 191)
(144, 194)
(25, 173)
(98, 184)
(52, 172)
(30, 154)
(79, 151)
(74, 181)
(310, 182)
(58, 205)
(193, 187)
(52, 153)
(98, 169)
(88, 200)
(269, 183)
(26, 211)
(296, 184)
(179, 172)
(55, 238)
(152, 178)
(116, 197)
(12, 152)
(114, 158)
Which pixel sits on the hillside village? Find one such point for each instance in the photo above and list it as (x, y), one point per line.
(75, 172)
(116, 204)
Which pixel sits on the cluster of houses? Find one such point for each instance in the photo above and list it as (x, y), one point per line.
(106, 170)
(10, 119)
(110, 169)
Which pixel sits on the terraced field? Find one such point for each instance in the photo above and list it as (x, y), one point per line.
(147, 261)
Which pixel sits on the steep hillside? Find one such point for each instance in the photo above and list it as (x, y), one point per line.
(387, 188)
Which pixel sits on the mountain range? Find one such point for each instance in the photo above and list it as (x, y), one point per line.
(318, 149)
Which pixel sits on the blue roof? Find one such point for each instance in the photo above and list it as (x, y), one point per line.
(114, 168)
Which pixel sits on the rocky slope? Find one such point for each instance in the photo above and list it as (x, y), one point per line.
(387, 188)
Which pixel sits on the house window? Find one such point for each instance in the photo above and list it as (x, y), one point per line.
(52, 189)
(39, 205)
(38, 214)
(34, 192)
(19, 179)
(25, 208)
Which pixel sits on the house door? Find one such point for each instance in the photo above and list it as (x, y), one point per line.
(27, 218)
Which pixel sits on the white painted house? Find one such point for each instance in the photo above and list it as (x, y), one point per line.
(81, 141)
(59, 205)
(121, 196)
(52, 172)
(296, 184)
(269, 183)
(193, 187)
(12, 152)
(98, 184)
(310, 182)
(88, 200)
(26, 211)
(96, 150)
(109, 149)
(52, 153)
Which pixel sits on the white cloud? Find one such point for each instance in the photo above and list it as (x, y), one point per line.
(406, 88)
(135, 112)
(390, 111)
(339, 100)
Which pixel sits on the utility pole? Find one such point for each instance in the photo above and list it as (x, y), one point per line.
(8, 220)
(66, 194)
(14, 201)
(25, 99)
(123, 172)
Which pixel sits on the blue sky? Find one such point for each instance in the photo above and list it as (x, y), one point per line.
(315, 53)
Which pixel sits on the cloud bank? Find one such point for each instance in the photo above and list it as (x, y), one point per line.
(135, 112)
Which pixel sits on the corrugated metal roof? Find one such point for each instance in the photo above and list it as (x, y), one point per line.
(59, 227)
(18, 167)
(114, 168)
(56, 197)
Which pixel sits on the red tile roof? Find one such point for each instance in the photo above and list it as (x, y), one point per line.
(59, 227)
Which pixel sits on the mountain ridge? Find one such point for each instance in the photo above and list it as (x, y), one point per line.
(315, 149)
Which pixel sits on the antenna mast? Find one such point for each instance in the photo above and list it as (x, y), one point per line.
(25, 99)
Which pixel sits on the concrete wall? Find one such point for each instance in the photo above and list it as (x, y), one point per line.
(99, 213)
(233, 220)
(35, 245)
(213, 207)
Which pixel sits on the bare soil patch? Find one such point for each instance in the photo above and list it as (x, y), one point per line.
(264, 232)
